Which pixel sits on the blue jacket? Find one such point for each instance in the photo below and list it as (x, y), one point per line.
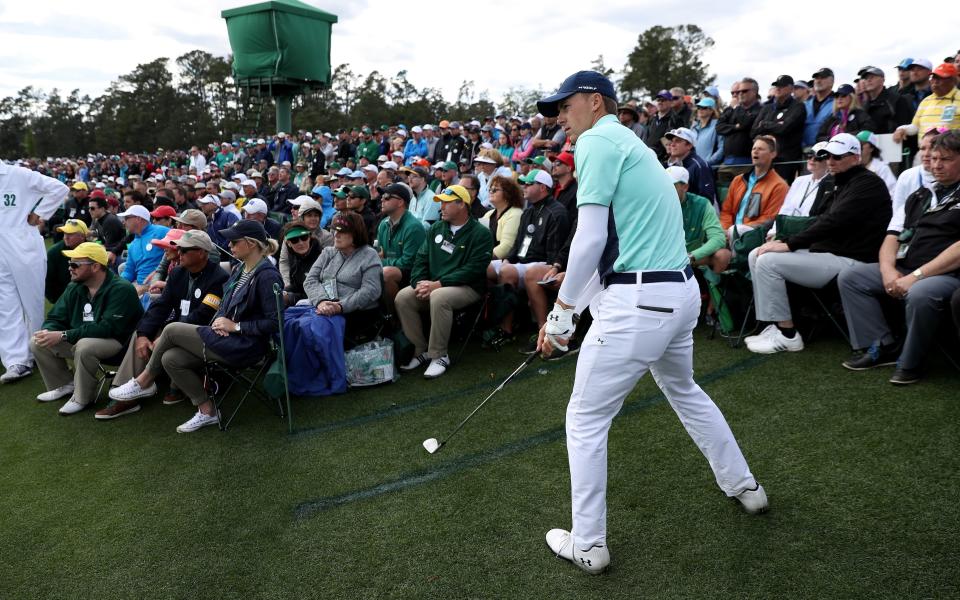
(254, 307)
(316, 365)
(709, 144)
(284, 150)
(412, 148)
(814, 121)
(221, 220)
(142, 256)
(701, 176)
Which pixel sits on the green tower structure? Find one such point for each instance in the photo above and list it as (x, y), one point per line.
(281, 48)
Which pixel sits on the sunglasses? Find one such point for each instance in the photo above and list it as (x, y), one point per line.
(838, 156)
(303, 238)
(494, 190)
(738, 92)
(185, 250)
(77, 265)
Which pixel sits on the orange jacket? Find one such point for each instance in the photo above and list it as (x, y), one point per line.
(772, 190)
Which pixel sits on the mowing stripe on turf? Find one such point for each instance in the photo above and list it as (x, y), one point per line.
(399, 410)
(310, 508)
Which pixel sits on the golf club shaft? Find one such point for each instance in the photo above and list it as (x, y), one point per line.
(479, 406)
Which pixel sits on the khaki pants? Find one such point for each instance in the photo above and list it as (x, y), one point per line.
(132, 364)
(180, 352)
(86, 354)
(441, 303)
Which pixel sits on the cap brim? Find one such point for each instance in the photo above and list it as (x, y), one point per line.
(230, 234)
(548, 106)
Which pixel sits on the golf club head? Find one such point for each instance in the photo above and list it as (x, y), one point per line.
(431, 445)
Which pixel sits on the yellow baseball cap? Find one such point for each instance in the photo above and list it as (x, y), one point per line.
(74, 226)
(94, 252)
(453, 193)
(79, 186)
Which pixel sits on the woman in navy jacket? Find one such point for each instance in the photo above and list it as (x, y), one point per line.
(239, 335)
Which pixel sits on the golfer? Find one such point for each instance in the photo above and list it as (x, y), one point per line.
(629, 232)
(26, 197)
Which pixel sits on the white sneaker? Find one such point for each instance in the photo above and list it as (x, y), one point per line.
(131, 390)
(418, 361)
(71, 407)
(438, 367)
(16, 372)
(60, 392)
(199, 420)
(593, 561)
(776, 342)
(754, 501)
(768, 330)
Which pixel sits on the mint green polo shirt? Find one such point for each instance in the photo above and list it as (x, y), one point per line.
(616, 169)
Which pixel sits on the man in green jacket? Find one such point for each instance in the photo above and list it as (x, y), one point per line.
(369, 147)
(449, 273)
(706, 241)
(399, 236)
(58, 276)
(90, 322)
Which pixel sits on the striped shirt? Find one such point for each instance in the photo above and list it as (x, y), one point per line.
(938, 111)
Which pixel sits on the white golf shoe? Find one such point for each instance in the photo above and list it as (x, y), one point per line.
(754, 501)
(198, 421)
(71, 407)
(438, 367)
(767, 331)
(61, 392)
(593, 561)
(16, 372)
(415, 363)
(775, 342)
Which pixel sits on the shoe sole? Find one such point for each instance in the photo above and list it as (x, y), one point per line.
(172, 402)
(425, 376)
(132, 409)
(571, 562)
(899, 382)
(774, 350)
(883, 364)
(63, 414)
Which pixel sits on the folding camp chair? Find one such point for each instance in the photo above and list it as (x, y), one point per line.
(826, 304)
(105, 374)
(220, 379)
(463, 317)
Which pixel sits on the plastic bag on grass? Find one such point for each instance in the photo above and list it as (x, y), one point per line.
(371, 364)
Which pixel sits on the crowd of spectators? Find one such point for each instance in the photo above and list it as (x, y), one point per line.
(432, 219)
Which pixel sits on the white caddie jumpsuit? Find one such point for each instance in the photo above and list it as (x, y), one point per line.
(23, 257)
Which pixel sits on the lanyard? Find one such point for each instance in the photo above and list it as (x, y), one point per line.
(807, 192)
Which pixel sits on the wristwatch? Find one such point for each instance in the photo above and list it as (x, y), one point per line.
(63, 336)
(918, 274)
(237, 328)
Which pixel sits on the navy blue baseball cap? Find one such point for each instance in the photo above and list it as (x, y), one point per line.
(589, 82)
(245, 228)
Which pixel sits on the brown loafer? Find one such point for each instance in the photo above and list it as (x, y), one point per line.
(173, 397)
(117, 408)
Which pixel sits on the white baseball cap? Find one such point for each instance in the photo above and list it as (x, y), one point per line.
(255, 206)
(299, 200)
(678, 174)
(428, 127)
(416, 129)
(683, 133)
(390, 165)
(371, 169)
(208, 199)
(136, 211)
(538, 176)
(840, 144)
(485, 159)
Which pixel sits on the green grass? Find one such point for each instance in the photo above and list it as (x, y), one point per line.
(862, 478)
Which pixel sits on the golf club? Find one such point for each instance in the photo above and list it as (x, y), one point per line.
(432, 445)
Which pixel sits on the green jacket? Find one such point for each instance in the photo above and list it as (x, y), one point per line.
(400, 242)
(369, 149)
(701, 227)
(113, 312)
(466, 264)
(58, 275)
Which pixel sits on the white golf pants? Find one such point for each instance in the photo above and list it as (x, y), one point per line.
(624, 342)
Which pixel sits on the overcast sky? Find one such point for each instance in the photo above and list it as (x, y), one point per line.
(498, 44)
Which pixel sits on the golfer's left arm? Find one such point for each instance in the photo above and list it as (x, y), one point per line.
(585, 252)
